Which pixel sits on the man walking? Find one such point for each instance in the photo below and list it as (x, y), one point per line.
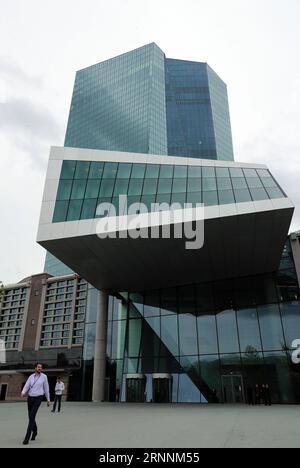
(59, 388)
(36, 387)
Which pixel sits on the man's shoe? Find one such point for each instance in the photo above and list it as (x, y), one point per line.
(25, 442)
(33, 436)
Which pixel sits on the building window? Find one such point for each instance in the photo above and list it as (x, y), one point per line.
(59, 323)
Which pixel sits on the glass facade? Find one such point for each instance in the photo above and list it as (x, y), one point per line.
(142, 102)
(199, 343)
(208, 339)
(220, 116)
(198, 122)
(119, 104)
(84, 185)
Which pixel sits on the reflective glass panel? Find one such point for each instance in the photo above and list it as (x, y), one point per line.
(179, 198)
(236, 172)
(135, 187)
(187, 334)
(68, 169)
(239, 183)
(78, 189)
(254, 182)
(207, 334)
(263, 172)
(226, 197)
(194, 185)
(152, 171)
(92, 188)
(209, 184)
(208, 172)
(169, 333)
(290, 313)
(124, 171)
(179, 186)
(166, 172)
(74, 210)
(194, 197)
(250, 173)
(96, 170)
(88, 208)
(110, 170)
(180, 172)
(187, 391)
(249, 330)
(259, 194)
(149, 187)
(224, 183)
(138, 171)
(242, 195)
(270, 326)
(107, 187)
(60, 211)
(194, 171)
(82, 170)
(64, 189)
(210, 198)
(164, 186)
(275, 192)
(222, 172)
(227, 332)
(121, 187)
(268, 182)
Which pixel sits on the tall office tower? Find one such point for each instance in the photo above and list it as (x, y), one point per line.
(198, 122)
(142, 102)
(171, 324)
(120, 105)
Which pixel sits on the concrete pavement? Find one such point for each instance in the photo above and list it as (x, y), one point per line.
(152, 425)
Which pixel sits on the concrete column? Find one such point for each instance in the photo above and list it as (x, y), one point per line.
(100, 347)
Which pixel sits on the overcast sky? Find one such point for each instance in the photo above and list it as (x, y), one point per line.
(252, 44)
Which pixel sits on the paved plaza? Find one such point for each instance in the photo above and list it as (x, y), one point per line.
(153, 426)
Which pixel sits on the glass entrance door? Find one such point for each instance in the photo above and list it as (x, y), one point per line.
(135, 390)
(233, 389)
(161, 390)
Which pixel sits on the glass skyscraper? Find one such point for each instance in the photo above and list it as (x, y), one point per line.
(143, 102)
(198, 122)
(119, 104)
(200, 340)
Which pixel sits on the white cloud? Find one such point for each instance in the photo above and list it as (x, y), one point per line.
(27, 129)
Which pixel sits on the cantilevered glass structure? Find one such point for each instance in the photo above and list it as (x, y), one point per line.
(143, 102)
(165, 323)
